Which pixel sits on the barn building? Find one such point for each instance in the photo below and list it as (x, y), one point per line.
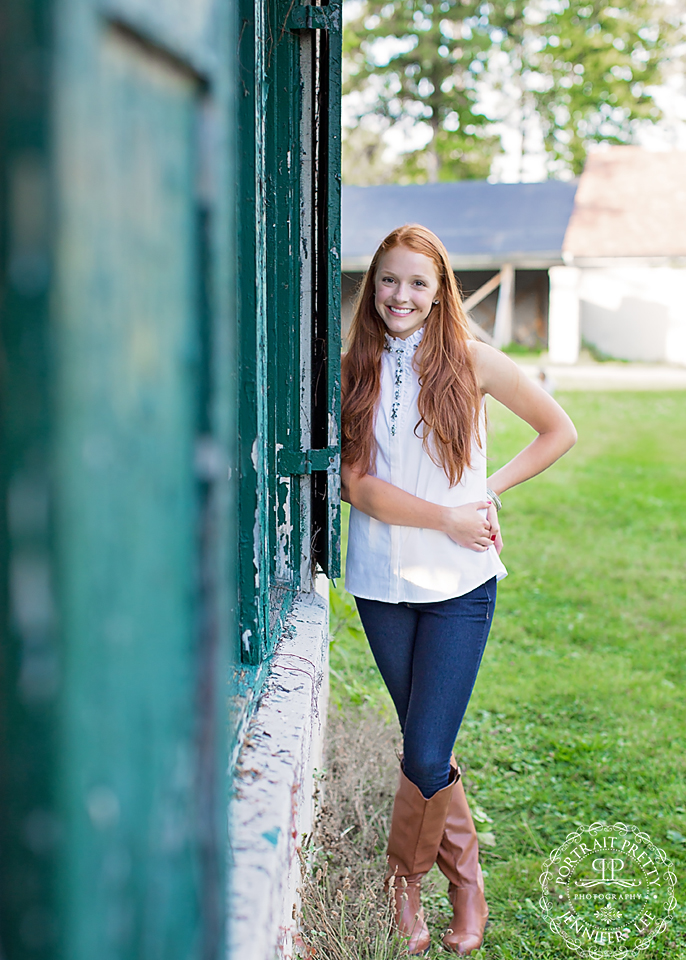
(502, 239)
(552, 264)
(169, 357)
(625, 257)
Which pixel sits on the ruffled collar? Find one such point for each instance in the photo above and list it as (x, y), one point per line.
(408, 345)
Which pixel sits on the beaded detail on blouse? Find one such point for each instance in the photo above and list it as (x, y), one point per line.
(397, 564)
(401, 350)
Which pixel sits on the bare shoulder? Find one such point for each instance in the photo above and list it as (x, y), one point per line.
(500, 377)
(495, 371)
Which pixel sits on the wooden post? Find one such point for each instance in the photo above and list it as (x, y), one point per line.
(504, 313)
(475, 298)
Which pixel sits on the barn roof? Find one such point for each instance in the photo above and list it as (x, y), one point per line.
(482, 224)
(630, 203)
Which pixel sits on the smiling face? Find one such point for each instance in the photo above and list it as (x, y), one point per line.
(405, 287)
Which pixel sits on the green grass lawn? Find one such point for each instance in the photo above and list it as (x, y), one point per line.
(579, 713)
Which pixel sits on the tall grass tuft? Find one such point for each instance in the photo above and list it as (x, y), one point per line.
(345, 914)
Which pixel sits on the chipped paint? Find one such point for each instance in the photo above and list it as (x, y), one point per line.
(256, 543)
(284, 530)
(333, 429)
(272, 836)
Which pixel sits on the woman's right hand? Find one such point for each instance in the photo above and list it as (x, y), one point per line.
(389, 504)
(468, 527)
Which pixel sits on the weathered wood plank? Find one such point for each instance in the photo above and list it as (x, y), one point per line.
(128, 352)
(117, 326)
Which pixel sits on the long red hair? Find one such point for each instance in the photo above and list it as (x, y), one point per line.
(449, 396)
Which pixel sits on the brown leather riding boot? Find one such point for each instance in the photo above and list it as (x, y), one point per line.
(458, 859)
(416, 831)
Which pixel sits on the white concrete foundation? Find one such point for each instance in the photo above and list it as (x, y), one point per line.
(564, 332)
(276, 785)
(608, 376)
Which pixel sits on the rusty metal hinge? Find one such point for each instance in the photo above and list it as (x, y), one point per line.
(301, 462)
(310, 17)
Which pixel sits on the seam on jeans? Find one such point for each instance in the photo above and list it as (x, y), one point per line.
(487, 630)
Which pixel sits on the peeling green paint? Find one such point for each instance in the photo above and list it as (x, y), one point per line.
(168, 447)
(290, 306)
(115, 456)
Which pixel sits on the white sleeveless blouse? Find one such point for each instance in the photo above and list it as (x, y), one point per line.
(409, 564)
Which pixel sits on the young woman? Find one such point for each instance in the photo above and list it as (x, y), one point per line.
(424, 543)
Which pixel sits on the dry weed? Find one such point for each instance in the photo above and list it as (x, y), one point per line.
(345, 913)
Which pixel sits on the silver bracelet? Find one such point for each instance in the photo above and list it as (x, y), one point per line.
(495, 498)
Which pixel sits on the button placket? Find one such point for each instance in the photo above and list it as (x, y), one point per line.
(397, 355)
(402, 354)
(399, 371)
(397, 389)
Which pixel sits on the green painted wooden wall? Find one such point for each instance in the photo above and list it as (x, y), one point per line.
(289, 224)
(169, 235)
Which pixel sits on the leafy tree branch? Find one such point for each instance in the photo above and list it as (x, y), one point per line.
(584, 68)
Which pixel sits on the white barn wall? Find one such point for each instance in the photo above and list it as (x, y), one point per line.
(563, 315)
(635, 312)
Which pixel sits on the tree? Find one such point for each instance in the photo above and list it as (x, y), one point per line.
(582, 67)
(363, 160)
(590, 65)
(423, 62)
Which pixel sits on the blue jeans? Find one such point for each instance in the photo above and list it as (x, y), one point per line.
(429, 655)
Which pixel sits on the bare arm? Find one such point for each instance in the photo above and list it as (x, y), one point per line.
(502, 379)
(389, 504)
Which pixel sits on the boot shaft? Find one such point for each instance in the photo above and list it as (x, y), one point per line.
(417, 827)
